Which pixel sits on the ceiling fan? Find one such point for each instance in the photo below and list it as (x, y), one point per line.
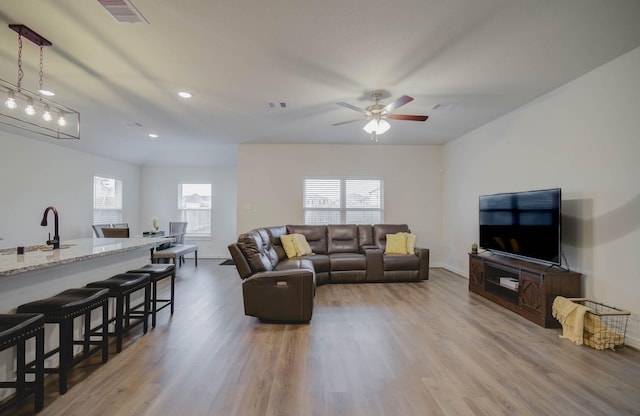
(377, 113)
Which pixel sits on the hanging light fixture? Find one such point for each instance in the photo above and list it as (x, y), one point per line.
(22, 105)
(378, 126)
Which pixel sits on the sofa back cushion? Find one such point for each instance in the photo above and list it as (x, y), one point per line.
(316, 236)
(275, 233)
(380, 232)
(365, 235)
(256, 248)
(342, 238)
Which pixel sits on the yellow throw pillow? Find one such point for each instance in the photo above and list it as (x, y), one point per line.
(411, 243)
(396, 244)
(287, 244)
(302, 246)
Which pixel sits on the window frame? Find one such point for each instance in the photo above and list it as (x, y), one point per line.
(183, 213)
(343, 210)
(119, 202)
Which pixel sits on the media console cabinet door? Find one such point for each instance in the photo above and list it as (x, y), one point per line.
(476, 275)
(531, 294)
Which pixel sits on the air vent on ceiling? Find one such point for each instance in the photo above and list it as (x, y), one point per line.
(123, 11)
(274, 105)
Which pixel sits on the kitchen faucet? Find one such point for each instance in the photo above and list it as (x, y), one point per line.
(56, 238)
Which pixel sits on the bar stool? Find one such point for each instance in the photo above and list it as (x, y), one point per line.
(62, 309)
(121, 287)
(15, 330)
(158, 272)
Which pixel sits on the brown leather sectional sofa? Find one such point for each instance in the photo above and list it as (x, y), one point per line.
(278, 288)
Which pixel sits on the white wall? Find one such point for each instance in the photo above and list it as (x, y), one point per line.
(36, 174)
(160, 185)
(270, 180)
(584, 138)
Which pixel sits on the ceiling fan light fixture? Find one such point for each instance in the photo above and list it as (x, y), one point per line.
(377, 126)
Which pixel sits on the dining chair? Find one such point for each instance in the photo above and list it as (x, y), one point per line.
(178, 230)
(97, 229)
(116, 232)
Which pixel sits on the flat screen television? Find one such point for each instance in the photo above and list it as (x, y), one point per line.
(522, 224)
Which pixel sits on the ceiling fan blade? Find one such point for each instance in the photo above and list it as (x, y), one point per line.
(352, 107)
(397, 103)
(346, 122)
(407, 117)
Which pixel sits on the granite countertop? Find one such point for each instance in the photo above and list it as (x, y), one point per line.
(71, 251)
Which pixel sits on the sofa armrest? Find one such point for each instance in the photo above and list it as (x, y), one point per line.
(375, 264)
(285, 295)
(423, 255)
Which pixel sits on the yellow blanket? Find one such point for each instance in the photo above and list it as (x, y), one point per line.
(571, 316)
(582, 327)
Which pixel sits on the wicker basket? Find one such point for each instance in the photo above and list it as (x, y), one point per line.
(604, 326)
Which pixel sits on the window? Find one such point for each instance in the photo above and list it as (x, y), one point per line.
(343, 201)
(107, 200)
(194, 207)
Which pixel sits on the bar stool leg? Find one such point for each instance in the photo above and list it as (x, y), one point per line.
(105, 332)
(173, 290)
(154, 299)
(65, 354)
(39, 370)
(147, 302)
(86, 346)
(21, 382)
(119, 319)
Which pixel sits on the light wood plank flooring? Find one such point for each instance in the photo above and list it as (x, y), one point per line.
(428, 348)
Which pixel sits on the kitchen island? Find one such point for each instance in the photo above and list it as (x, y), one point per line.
(43, 272)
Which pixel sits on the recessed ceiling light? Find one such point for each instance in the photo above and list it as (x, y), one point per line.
(185, 94)
(153, 135)
(47, 93)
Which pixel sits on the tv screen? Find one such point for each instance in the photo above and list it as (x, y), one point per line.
(523, 224)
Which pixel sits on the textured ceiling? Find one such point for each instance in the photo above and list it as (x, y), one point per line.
(487, 57)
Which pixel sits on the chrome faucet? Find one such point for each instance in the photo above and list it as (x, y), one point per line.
(56, 238)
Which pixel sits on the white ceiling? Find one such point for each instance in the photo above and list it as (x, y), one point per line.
(486, 56)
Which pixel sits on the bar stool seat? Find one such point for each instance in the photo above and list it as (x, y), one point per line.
(62, 309)
(158, 272)
(15, 330)
(121, 287)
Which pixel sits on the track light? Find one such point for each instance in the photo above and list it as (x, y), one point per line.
(28, 109)
(61, 120)
(11, 100)
(46, 115)
(67, 125)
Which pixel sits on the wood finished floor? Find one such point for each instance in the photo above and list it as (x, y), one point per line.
(427, 348)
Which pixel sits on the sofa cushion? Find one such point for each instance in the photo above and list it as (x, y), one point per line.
(396, 244)
(342, 238)
(399, 262)
(275, 233)
(380, 232)
(316, 236)
(365, 236)
(302, 246)
(287, 244)
(347, 261)
(411, 243)
(253, 249)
